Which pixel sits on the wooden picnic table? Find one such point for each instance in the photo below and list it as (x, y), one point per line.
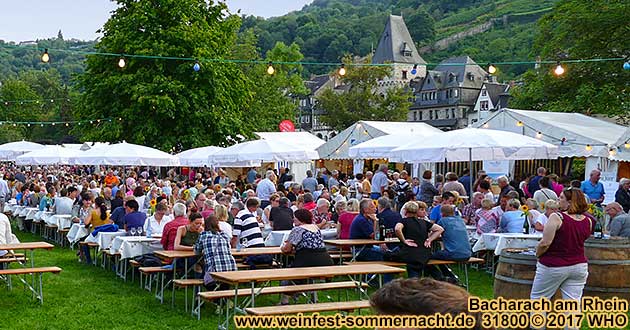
(246, 252)
(27, 246)
(354, 243)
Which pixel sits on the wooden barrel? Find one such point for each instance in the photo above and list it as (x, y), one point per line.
(608, 268)
(514, 274)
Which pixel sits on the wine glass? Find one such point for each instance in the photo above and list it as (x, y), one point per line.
(139, 231)
(243, 243)
(132, 231)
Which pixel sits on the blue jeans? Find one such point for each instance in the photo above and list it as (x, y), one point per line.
(373, 254)
(443, 270)
(375, 195)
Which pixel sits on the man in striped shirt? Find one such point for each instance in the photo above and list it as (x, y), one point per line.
(247, 231)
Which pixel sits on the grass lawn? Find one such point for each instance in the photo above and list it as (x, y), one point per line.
(88, 297)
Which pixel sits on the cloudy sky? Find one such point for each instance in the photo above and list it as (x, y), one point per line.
(38, 19)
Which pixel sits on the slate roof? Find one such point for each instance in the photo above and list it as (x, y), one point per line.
(396, 44)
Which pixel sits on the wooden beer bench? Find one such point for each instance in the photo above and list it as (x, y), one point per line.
(36, 289)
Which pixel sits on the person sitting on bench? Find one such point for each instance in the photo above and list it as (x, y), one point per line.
(456, 245)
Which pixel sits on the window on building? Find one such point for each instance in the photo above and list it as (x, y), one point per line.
(415, 116)
(484, 92)
(455, 93)
(483, 105)
(447, 114)
(430, 114)
(453, 113)
(404, 74)
(434, 95)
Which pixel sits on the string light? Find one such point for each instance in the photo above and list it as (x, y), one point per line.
(626, 65)
(45, 56)
(627, 145)
(539, 135)
(342, 70)
(415, 69)
(270, 69)
(197, 66)
(121, 62)
(612, 152)
(588, 147)
(486, 125)
(492, 69)
(559, 70)
(520, 123)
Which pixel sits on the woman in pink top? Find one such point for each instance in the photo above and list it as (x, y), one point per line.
(555, 186)
(346, 218)
(561, 260)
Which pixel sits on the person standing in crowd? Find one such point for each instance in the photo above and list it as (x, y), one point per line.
(561, 260)
(380, 182)
(415, 188)
(427, 189)
(512, 220)
(466, 181)
(453, 185)
(309, 183)
(214, 245)
(416, 236)
(504, 185)
(619, 225)
(266, 188)
(622, 195)
(251, 176)
(5, 192)
(594, 189)
(533, 184)
(306, 241)
(545, 192)
(366, 185)
(555, 185)
(334, 179)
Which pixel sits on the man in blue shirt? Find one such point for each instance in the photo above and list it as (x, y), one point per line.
(309, 183)
(455, 240)
(593, 188)
(465, 181)
(533, 185)
(512, 220)
(251, 176)
(363, 227)
(386, 216)
(448, 198)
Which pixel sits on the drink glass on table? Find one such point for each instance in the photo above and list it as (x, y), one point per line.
(243, 243)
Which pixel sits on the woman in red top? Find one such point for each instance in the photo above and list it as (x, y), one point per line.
(346, 218)
(561, 260)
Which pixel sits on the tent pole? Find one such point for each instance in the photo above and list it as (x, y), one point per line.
(470, 175)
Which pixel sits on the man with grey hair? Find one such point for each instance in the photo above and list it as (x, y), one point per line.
(265, 188)
(533, 185)
(593, 188)
(170, 229)
(619, 221)
(380, 182)
(512, 220)
(334, 179)
(309, 183)
(363, 227)
(321, 214)
(622, 196)
(504, 184)
(386, 216)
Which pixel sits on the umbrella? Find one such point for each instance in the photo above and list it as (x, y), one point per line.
(9, 151)
(470, 144)
(262, 151)
(381, 146)
(48, 156)
(126, 154)
(197, 157)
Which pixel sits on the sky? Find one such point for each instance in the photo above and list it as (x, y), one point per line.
(22, 20)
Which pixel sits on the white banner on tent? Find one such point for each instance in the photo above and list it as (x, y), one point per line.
(496, 168)
(609, 181)
(357, 166)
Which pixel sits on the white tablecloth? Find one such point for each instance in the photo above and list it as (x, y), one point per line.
(62, 221)
(497, 242)
(30, 212)
(17, 210)
(76, 232)
(105, 239)
(42, 215)
(133, 246)
(276, 237)
(10, 206)
(472, 233)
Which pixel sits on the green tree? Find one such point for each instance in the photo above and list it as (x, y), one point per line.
(165, 103)
(363, 99)
(580, 30)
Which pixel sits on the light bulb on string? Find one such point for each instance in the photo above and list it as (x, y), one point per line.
(42, 125)
(559, 70)
(492, 69)
(342, 70)
(29, 125)
(45, 56)
(197, 66)
(270, 69)
(627, 145)
(520, 123)
(14, 124)
(91, 122)
(53, 123)
(612, 152)
(121, 62)
(486, 125)
(626, 65)
(52, 101)
(539, 135)
(588, 147)
(67, 124)
(415, 69)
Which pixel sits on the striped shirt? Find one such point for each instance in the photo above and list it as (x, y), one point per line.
(246, 226)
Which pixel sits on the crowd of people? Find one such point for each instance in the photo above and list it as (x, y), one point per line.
(208, 212)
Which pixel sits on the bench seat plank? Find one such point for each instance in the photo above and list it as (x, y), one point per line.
(309, 308)
(212, 295)
(39, 270)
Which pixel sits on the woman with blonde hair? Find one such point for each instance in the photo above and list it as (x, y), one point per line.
(221, 212)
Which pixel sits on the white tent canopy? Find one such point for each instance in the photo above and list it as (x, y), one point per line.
(474, 144)
(126, 154)
(9, 151)
(361, 131)
(301, 139)
(197, 157)
(380, 147)
(262, 151)
(49, 155)
(576, 129)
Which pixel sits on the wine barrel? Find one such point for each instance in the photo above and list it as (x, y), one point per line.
(514, 274)
(608, 268)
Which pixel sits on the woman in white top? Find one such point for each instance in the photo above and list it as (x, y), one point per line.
(274, 201)
(544, 193)
(221, 212)
(534, 213)
(158, 220)
(551, 207)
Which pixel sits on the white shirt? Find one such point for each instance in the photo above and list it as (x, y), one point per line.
(225, 228)
(544, 194)
(4, 188)
(6, 236)
(264, 189)
(157, 228)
